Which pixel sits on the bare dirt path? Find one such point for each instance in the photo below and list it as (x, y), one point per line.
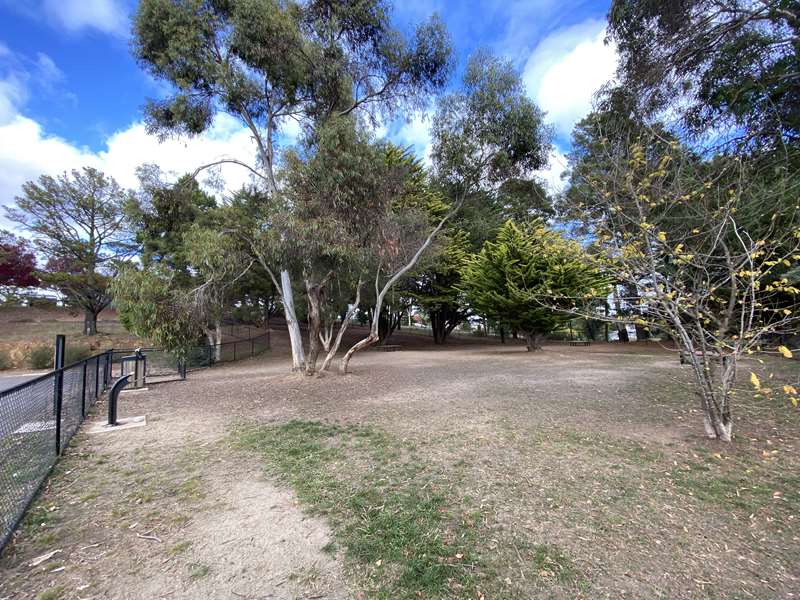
(587, 458)
(170, 511)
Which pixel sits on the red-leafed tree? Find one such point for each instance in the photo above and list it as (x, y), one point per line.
(17, 263)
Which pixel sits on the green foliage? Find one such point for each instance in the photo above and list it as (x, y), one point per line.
(490, 131)
(74, 354)
(266, 60)
(151, 306)
(525, 275)
(718, 64)
(40, 357)
(162, 214)
(5, 360)
(524, 199)
(436, 289)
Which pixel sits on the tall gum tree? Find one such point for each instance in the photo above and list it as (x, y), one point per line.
(267, 62)
(484, 133)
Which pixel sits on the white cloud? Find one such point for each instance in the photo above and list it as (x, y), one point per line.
(13, 94)
(417, 134)
(46, 69)
(566, 69)
(551, 176)
(27, 151)
(108, 16)
(19, 75)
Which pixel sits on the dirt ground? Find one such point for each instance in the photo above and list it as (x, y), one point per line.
(593, 454)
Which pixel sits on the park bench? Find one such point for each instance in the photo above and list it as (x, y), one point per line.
(579, 343)
(684, 358)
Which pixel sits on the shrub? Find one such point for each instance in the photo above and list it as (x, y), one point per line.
(5, 360)
(40, 357)
(76, 353)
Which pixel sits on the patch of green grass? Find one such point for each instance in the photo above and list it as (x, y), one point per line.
(180, 547)
(53, 593)
(740, 484)
(389, 510)
(38, 521)
(198, 571)
(550, 561)
(190, 490)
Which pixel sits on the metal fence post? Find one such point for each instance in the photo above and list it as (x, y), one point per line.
(83, 389)
(97, 378)
(107, 371)
(252, 348)
(58, 392)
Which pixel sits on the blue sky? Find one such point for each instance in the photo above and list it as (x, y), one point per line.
(70, 93)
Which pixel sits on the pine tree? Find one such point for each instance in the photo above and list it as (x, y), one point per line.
(521, 279)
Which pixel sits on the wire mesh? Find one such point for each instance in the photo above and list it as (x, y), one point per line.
(29, 420)
(30, 417)
(27, 445)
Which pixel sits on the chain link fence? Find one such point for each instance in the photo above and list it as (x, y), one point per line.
(39, 417)
(37, 420)
(166, 366)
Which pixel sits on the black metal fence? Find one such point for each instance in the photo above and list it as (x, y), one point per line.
(37, 420)
(39, 417)
(163, 365)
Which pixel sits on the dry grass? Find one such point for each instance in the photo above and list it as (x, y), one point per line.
(575, 472)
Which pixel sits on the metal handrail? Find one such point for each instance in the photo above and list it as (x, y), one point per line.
(113, 396)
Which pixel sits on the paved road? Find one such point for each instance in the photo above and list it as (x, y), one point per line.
(9, 381)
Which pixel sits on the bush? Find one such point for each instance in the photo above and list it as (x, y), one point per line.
(5, 360)
(40, 357)
(76, 353)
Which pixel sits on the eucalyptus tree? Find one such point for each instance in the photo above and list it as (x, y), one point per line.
(343, 195)
(77, 224)
(188, 265)
(267, 63)
(729, 68)
(483, 134)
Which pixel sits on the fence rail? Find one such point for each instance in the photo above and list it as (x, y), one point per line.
(39, 417)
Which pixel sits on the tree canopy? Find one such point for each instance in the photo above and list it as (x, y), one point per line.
(77, 222)
(525, 275)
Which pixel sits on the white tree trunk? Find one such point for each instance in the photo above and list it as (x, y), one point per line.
(351, 310)
(295, 337)
(218, 346)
